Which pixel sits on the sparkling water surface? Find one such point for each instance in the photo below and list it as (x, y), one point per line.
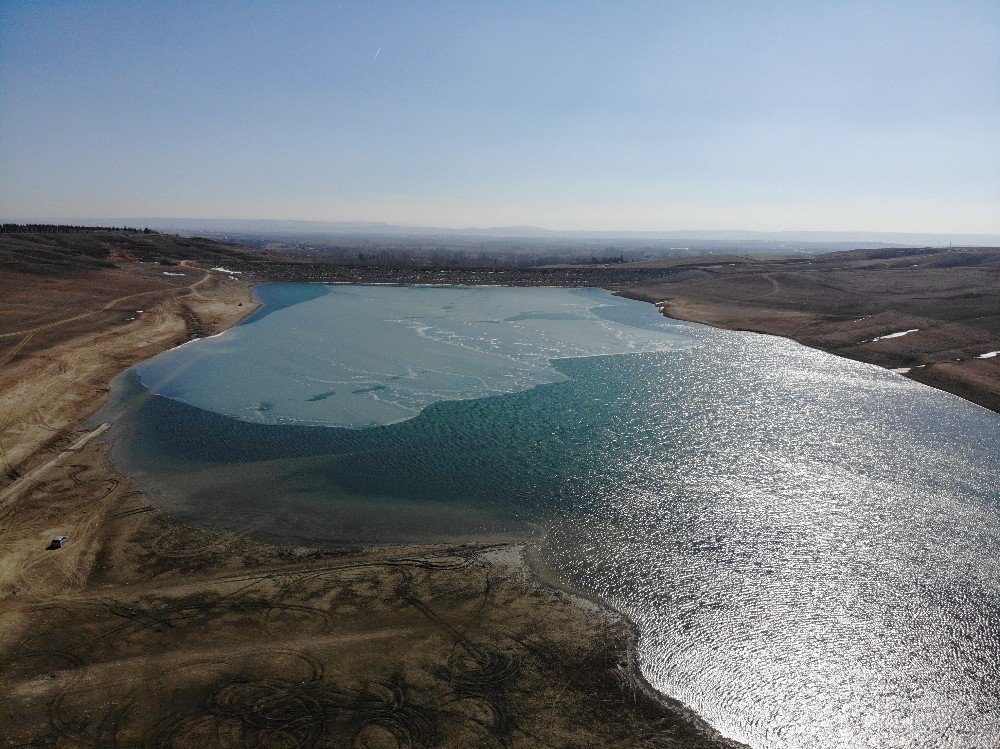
(810, 546)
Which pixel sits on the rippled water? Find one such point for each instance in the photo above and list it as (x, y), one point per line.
(808, 545)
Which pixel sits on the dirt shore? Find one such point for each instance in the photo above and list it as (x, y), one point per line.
(144, 632)
(930, 314)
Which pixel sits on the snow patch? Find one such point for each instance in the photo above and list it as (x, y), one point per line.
(900, 334)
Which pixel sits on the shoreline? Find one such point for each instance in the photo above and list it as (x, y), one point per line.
(80, 367)
(843, 303)
(531, 557)
(896, 309)
(121, 533)
(983, 400)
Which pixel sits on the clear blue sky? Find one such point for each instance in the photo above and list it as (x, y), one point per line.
(669, 115)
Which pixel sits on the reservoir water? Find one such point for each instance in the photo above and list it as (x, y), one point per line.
(809, 546)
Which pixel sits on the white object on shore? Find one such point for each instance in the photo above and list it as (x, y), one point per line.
(900, 334)
(988, 355)
(168, 273)
(901, 370)
(232, 272)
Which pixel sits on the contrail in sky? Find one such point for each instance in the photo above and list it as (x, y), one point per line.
(376, 54)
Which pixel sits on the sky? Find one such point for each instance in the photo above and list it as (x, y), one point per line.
(878, 116)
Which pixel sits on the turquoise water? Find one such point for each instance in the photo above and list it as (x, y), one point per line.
(808, 545)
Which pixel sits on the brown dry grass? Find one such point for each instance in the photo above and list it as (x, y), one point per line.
(840, 302)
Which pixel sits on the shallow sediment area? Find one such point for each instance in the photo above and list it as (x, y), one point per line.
(143, 631)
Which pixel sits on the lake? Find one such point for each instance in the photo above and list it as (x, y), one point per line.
(809, 546)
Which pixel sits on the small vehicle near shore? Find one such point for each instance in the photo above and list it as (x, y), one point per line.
(57, 543)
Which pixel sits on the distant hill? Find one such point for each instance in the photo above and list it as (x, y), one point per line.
(61, 250)
(377, 228)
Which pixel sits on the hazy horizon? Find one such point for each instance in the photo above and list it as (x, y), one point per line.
(861, 117)
(306, 227)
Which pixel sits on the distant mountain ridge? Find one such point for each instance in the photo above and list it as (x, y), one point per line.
(289, 226)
